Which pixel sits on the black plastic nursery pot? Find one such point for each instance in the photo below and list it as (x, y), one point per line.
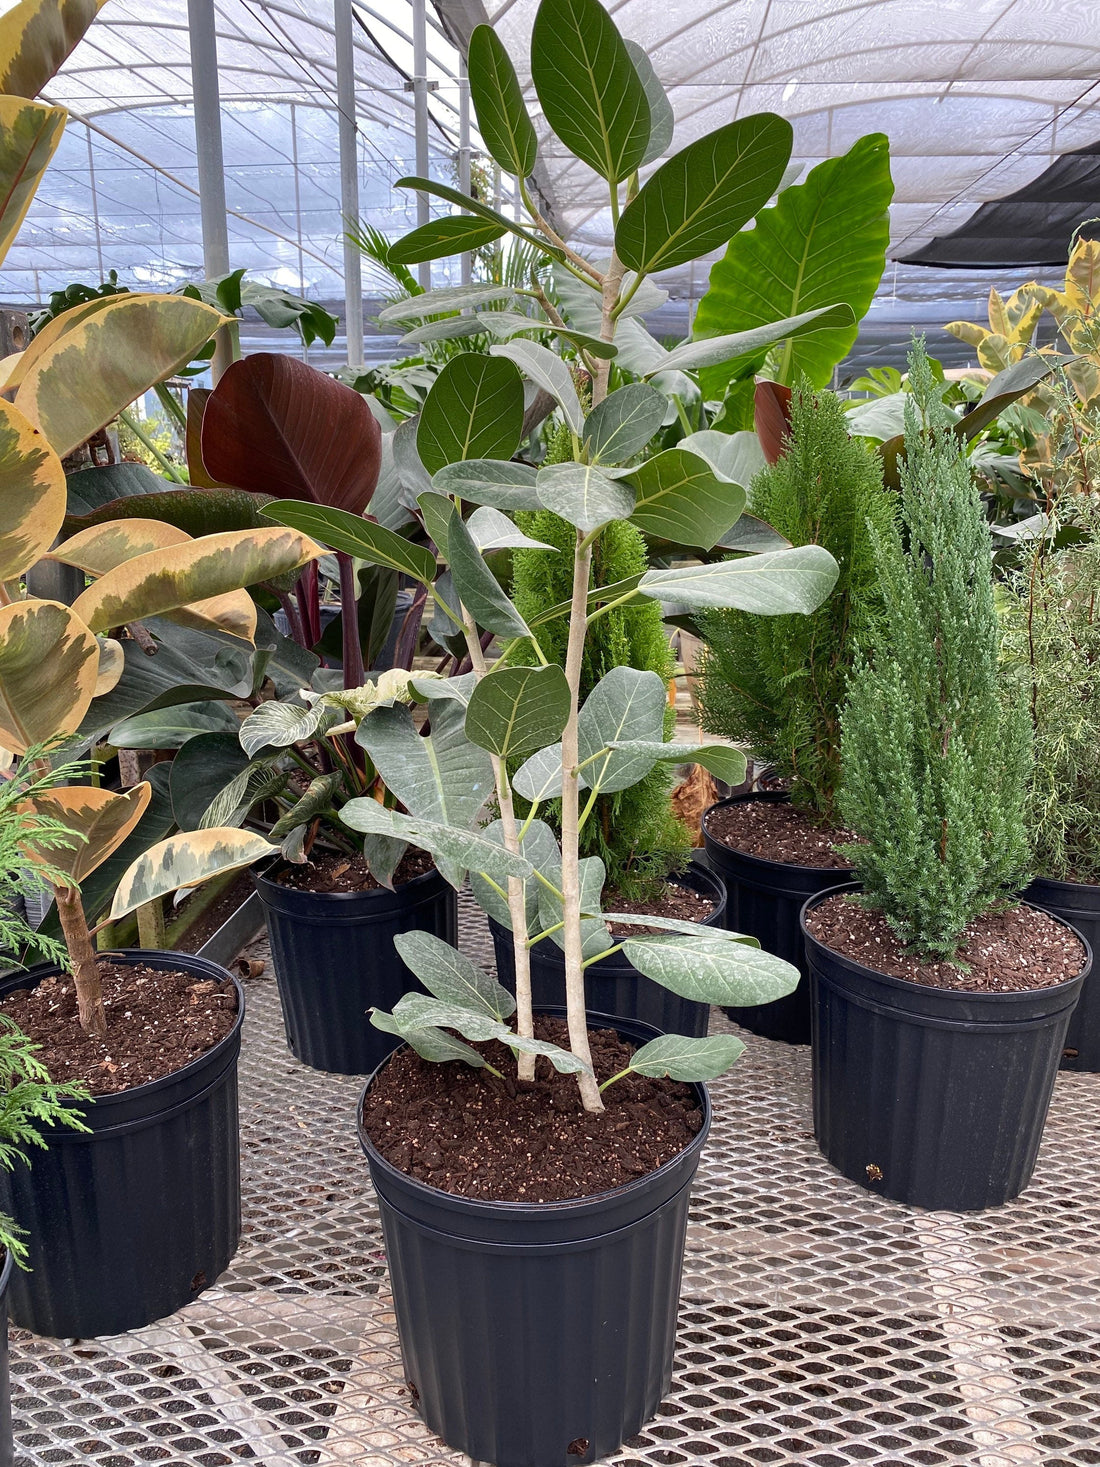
(129, 1222)
(763, 900)
(334, 960)
(931, 1096)
(7, 1448)
(538, 1335)
(1077, 903)
(614, 986)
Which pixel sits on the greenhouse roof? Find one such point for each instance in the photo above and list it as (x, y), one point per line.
(978, 97)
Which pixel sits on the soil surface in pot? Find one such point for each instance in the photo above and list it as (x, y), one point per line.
(157, 1022)
(775, 831)
(466, 1131)
(1010, 951)
(671, 900)
(331, 871)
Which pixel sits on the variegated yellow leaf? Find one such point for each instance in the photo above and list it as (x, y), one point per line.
(101, 548)
(35, 38)
(108, 359)
(49, 664)
(112, 663)
(46, 340)
(32, 493)
(235, 613)
(183, 574)
(100, 822)
(29, 135)
(186, 860)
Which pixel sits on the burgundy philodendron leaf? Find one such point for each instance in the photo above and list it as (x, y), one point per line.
(772, 418)
(275, 425)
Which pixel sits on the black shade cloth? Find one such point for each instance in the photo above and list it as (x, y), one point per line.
(1030, 227)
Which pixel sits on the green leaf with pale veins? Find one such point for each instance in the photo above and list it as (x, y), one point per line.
(563, 1060)
(478, 589)
(433, 1045)
(767, 585)
(539, 777)
(483, 211)
(418, 1011)
(625, 704)
(547, 370)
(662, 121)
(595, 938)
(474, 410)
(624, 423)
(515, 710)
(725, 763)
(451, 977)
(682, 498)
(584, 495)
(724, 351)
(708, 968)
(451, 235)
(448, 298)
(356, 536)
(500, 485)
(539, 845)
(680, 1057)
(506, 129)
(493, 530)
(450, 846)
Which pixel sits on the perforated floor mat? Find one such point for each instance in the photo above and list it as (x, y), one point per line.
(819, 1326)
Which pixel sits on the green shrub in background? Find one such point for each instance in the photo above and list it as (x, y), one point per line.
(935, 759)
(778, 684)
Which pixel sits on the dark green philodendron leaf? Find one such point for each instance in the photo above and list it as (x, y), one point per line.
(538, 845)
(626, 704)
(483, 211)
(500, 485)
(502, 120)
(708, 968)
(680, 1057)
(681, 498)
(451, 235)
(583, 495)
(595, 937)
(170, 728)
(478, 589)
(451, 977)
(624, 423)
(474, 410)
(1006, 388)
(547, 370)
(822, 241)
(434, 1045)
(725, 763)
(515, 710)
(453, 849)
(589, 88)
(493, 530)
(662, 122)
(767, 585)
(319, 795)
(201, 769)
(692, 356)
(448, 298)
(705, 194)
(341, 530)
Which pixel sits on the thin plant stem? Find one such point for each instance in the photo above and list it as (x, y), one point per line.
(147, 443)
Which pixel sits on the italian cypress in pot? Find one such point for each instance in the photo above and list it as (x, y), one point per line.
(778, 684)
(932, 1076)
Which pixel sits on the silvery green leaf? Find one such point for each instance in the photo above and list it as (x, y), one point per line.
(707, 968)
(545, 368)
(385, 503)
(624, 423)
(437, 510)
(515, 710)
(506, 324)
(418, 1011)
(493, 530)
(682, 1058)
(727, 764)
(449, 329)
(753, 536)
(595, 937)
(382, 854)
(450, 298)
(444, 627)
(293, 848)
(768, 585)
(478, 589)
(563, 1060)
(661, 118)
(454, 850)
(406, 458)
(689, 356)
(681, 497)
(451, 977)
(254, 784)
(626, 704)
(456, 689)
(736, 456)
(539, 845)
(430, 1044)
(494, 482)
(676, 924)
(278, 725)
(584, 495)
(539, 778)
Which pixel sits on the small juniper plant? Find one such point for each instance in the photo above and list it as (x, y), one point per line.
(935, 760)
(600, 96)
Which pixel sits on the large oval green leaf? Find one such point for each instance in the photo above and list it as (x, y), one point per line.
(506, 129)
(474, 410)
(681, 498)
(516, 710)
(439, 238)
(701, 197)
(823, 241)
(590, 90)
(767, 585)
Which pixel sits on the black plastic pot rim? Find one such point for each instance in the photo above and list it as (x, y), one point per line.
(474, 1207)
(131, 957)
(261, 876)
(962, 995)
(1069, 887)
(762, 861)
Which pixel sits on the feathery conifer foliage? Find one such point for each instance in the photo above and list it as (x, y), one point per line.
(777, 683)
(935, 760)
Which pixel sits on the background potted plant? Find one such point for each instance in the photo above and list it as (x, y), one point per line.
(465, 1303)
(777, 685)
(940, 1005)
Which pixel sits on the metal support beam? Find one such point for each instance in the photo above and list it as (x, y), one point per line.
(420, 115)
(211, 164)
(349, 178)
(464, 150)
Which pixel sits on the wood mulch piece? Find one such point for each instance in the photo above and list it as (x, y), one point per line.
(776, 831)
(679, 901)
(328, 871)
(1009, 951)
(466, 1131)
(157, 1022)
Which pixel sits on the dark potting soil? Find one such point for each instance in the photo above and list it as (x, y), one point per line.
(331, 871)
(674, 900)
(1009, 951)
(776, 831)
(157, 1022)
(466, 1131)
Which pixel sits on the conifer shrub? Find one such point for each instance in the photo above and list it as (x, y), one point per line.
(777, 683)
(935, 758)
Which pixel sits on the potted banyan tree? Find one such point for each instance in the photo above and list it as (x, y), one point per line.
(940, 1001)
(519, 1283)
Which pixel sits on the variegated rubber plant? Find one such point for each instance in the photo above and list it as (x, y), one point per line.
(600, 96)
(78, 373)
